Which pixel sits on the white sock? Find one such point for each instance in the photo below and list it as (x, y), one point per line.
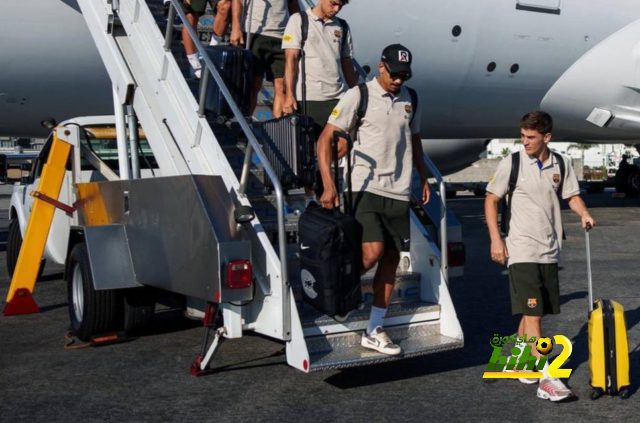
(194, 61)
(376, 318)
(309, 199)
(215, 40)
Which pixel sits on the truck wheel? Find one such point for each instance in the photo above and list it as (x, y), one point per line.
(14, 243)
(633, 180)
(91, 312)
(139, 306)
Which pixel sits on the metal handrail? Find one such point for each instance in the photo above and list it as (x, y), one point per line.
(444, 243)
(253, 145)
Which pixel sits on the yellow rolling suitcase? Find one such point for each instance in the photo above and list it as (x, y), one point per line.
(608, 346)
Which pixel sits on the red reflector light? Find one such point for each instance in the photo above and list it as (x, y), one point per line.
(239, 274)
(457, 254)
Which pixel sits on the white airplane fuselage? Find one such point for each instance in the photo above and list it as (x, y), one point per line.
(479, 65)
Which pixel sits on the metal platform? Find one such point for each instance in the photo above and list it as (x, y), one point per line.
(344, 350)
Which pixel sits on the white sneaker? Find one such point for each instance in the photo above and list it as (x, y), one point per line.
(553, 390)
(195, 73)
(379, 341)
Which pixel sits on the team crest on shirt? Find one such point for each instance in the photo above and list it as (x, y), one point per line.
(407, 108)
(532, 303)
(337, 33)
(287, 38)
(556, 178)
(335, 113)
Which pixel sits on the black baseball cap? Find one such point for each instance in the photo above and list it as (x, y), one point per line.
(397, 57)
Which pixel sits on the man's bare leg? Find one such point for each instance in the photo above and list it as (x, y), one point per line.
(189, 45)
(531, 325)
(278, 97)
(222, 19)
(383, 283)
(257, 85)
(385, 278)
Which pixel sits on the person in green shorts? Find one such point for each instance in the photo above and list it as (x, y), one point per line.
(194, 10)
(329, 68)
(534, 239)
(265, 21)
(386, 149)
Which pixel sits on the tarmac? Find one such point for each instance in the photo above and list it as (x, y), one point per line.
(147, 379)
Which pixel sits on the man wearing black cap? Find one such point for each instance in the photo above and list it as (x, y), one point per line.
(386, 116)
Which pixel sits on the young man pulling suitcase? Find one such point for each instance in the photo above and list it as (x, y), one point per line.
(534, 239)
(386, 149)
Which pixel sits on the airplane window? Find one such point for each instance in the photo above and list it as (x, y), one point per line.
(456, 31)
(491, 67)
(515, 68)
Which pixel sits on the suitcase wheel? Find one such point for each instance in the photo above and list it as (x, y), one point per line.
(624, 393)
(597, 393)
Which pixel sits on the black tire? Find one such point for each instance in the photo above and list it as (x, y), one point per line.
(624, 393)
(139, 306)
(620, 180)
(596, 393)
(91, 312)
(14, 244)
(633, 180)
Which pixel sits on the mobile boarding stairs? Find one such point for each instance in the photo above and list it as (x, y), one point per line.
(177, 232)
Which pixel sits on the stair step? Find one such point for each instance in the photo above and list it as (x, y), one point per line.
(344, 350)
(315, 323)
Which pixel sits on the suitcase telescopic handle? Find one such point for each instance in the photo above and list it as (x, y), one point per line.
(586, 237)
(336, 137)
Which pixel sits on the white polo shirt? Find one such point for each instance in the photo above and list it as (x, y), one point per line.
(268, 17)
(535, 230)
(382, 156)
(323, 53)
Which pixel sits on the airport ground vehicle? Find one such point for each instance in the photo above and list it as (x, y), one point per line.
(231, 246)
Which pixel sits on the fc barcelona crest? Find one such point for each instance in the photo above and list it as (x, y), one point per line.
(556, 178)
(337, 33)
(532, 303)
(407, 108)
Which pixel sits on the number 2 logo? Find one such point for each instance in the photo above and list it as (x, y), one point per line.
(554, 369)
